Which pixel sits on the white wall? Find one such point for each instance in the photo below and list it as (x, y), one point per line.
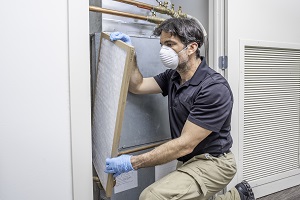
(35, 120)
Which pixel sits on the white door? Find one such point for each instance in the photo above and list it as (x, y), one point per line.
(263, 47)
(45, 128)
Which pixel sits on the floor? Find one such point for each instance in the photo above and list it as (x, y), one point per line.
(288, 194)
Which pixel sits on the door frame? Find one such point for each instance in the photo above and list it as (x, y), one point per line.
(80, 100)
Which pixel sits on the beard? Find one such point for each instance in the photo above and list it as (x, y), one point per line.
(183, 66)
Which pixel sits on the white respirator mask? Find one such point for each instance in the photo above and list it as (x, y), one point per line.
(169, 57)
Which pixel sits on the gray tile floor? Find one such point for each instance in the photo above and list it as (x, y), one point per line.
(288, 194)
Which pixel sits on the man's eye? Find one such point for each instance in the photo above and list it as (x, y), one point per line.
(169, 45)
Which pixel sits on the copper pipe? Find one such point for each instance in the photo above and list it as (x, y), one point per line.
(115, 12)
(161, 8)
(96, 179)
(138, 4)
(155, 20)
(142, 148)
(151, 19)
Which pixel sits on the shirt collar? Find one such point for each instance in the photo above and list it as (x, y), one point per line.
(199, 75)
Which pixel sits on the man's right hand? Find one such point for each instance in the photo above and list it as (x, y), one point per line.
(120, 36)
(118, 165)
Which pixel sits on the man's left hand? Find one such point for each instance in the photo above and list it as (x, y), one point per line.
(118, 165)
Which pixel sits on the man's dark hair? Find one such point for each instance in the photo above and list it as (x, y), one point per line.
(187, 30)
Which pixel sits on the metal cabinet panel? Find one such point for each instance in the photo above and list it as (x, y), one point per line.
(146, 116)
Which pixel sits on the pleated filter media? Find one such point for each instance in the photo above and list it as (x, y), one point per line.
(111, 89)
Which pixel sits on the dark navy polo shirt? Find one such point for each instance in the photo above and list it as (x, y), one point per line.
(205, 100)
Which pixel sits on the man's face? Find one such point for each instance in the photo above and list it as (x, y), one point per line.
(174, 42)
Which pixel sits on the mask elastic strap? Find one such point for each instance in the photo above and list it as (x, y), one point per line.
(183, 49)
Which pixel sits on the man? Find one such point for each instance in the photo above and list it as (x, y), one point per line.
(200, 104)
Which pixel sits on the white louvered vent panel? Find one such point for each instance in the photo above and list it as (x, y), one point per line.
(271, 111)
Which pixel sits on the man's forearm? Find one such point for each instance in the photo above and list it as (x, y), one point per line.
(160, 155)
(136, 77)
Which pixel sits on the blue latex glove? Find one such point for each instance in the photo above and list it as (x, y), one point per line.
(120, 36)
(118, 165)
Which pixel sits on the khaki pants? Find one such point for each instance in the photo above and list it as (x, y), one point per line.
(198, 179)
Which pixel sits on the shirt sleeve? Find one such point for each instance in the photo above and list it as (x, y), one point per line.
(163, 80)
(212, 107)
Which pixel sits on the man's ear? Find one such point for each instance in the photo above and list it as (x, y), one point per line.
(192, 48)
